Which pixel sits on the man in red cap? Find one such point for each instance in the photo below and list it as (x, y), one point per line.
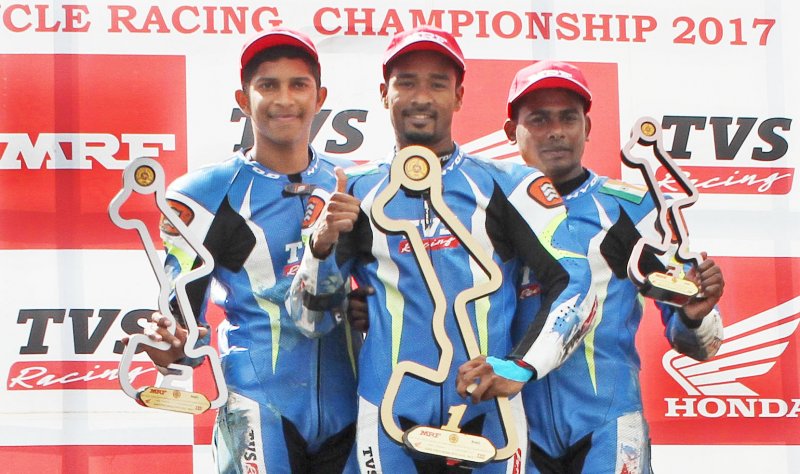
(510, 213)
(292, 400)
(586, 416)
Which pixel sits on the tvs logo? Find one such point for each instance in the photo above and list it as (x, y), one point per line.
(70, 132)
(756, 149)
(431, 244)
(732, 180)
(544, 192)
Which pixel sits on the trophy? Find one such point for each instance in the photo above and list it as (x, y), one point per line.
(668, 287)
(145, 176)
(417, 169)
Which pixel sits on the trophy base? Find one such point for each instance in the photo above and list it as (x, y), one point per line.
(669, 289)
(173, 400)
(458, 448)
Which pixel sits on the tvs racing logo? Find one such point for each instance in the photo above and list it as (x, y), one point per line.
(70, 131)
(719, 388)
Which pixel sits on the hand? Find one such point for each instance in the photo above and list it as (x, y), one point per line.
(340, 217)
(487, 385)
(157, 330)
(708, 277)
(357, 313)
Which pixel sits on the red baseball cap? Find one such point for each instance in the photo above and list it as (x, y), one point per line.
(423, 38)
(549, 75)
(277, 36)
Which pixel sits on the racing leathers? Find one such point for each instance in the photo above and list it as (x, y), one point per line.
(517, 217)
(292, 399)
(586, 416)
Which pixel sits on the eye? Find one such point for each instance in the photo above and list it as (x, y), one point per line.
(267, 85)
(301, 85)
(570, 118)
(404, 83)
(536, 120)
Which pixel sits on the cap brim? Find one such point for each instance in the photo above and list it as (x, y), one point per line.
(421, 45)
(554, 83)
(273, 40)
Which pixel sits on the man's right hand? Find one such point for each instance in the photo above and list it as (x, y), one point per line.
(357, 313)
(157, 329)
(340, 217)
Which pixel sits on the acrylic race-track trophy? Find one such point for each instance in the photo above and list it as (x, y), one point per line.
(146, 176)
(669, 286)
(417, 169)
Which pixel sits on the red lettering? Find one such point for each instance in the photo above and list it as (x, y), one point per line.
(121, 16)
(318, 21)
(516, 24)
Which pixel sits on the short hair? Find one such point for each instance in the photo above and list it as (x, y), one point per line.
(280, 52)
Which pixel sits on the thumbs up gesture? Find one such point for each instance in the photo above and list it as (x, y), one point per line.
(340, 217)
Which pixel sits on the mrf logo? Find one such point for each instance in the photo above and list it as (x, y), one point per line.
(74, 122)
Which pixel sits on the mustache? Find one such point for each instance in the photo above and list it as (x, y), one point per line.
(419, 110)
(555, 148)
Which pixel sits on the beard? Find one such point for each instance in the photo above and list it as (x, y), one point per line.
(419, 137)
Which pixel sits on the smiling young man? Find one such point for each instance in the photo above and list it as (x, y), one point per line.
(586, 416)
(503, 209)
(292, 400)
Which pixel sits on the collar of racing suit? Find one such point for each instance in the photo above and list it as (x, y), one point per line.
(571, 185)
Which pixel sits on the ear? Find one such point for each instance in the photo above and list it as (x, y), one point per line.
(384, 96)
(588, 127)
(243, 101)
(510, 127)
(459, 97)
(322, 94)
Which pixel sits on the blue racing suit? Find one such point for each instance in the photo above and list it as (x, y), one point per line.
(586, 416)
(516, 216)
(292, 399)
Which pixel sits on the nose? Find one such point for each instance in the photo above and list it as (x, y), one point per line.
(283, 95)
(556, 130)
(421, 97)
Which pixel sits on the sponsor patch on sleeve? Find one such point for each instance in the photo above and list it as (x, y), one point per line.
(313, 210)
(544, 192)
(184, 213)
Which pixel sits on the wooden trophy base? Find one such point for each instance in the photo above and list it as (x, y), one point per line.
(464, 449)
(669, 289)
(173, 400)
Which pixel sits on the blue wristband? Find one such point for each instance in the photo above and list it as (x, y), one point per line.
(508, 369)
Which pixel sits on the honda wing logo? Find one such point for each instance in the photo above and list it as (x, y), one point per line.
(751, 349)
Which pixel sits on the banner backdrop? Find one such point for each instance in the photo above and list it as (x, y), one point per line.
(87, 86)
